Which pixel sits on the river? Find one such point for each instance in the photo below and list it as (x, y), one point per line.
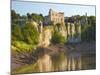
(64, 58)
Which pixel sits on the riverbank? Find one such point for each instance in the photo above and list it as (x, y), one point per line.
(80, 56)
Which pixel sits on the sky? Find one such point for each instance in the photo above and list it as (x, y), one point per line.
(24, 7)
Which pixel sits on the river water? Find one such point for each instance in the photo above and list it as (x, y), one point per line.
(59, 58)
(65, 62)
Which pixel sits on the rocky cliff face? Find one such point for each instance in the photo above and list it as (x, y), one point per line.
(45, 37)
(72, 32)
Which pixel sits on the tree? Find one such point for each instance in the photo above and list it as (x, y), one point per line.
(30, 34)
(41, 15)
(89, 29)
(14, 15)
(24, 17)
(58, 38)
(37, 17)
(16, 32)
(29, 16)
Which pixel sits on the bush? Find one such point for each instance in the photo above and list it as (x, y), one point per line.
(16, 32)
(58, 38)
(21, 46)
(31, 35)
(89, 29)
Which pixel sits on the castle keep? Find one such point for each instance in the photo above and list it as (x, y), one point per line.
(54, 17)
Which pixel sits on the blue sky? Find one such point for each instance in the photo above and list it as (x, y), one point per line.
(24, 7)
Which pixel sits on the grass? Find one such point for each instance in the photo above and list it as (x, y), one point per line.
(21, 46)
(26, 69)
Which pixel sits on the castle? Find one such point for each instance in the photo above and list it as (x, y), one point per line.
(54, 17)
(73, 27)
(71, 30)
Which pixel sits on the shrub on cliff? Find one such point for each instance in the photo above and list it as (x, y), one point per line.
(58, 38)
(30, 33)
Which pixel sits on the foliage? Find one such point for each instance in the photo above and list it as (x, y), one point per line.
(89, 29)
(30, 34)
(57, 37)
(23, 36)
(26, 69)
(36, 17)
(21, 46)
(14, 15)
(16, 32)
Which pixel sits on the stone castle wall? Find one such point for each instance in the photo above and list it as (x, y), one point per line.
(72, 33)
(55, 17)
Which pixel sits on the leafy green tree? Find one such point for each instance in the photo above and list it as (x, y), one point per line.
(30, 34)
(29, 16)
(37, 17)
(14, 15)
(58, 38)
(24, 17)
(89, 29)
(16, 32)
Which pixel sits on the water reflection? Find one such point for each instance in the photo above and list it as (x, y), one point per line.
(74, 62)
(59, 62)
(57, 58)
(63, 60)
(44, 63)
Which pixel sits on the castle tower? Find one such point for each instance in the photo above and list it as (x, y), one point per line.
(56, 17)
